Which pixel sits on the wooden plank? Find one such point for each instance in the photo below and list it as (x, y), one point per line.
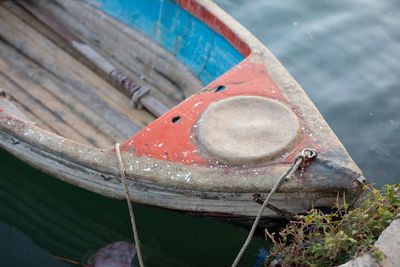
(53, 118)
(26, 17)
(10, 107)
(84, 119)
(159, 81)
(64, 95)
(38, 108)
(54, 60)
(131, 88)
(89, 87)
(133, 50)
(35, 97)
(11, 87)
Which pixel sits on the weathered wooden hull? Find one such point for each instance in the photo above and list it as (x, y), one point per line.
(165, 168)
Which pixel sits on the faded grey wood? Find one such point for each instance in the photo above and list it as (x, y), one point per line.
(37, 89)
(10, 107)
(97, 60)
(70, 72)
(135, 51)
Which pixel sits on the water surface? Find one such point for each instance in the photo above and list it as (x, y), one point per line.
(346, 56)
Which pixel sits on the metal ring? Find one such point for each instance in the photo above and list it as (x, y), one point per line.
(309, 153)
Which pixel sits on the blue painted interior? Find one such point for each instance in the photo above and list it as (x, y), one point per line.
(205, 52)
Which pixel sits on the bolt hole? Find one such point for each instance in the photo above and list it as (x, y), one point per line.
(176, 119)
(220, 88)
(3, 92)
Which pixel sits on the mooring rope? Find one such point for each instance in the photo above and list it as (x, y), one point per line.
(128, 200)
(306, 154)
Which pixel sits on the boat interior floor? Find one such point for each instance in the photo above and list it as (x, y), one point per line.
(60, 91)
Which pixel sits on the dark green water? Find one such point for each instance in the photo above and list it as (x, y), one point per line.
(345, 54)
(40, 215)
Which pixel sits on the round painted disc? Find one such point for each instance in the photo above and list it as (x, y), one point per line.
(247, 129)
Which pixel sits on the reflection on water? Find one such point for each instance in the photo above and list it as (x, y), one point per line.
(345, 54)
(116, 254)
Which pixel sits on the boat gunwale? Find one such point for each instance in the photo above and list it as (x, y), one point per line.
(202, 178)
(205, 201)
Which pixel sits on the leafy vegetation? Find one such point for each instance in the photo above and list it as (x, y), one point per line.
(319, 239)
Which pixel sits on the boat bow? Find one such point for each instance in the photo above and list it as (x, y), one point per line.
(176, 162)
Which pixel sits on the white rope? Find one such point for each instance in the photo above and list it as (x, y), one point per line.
(128, 200)
(296, 164)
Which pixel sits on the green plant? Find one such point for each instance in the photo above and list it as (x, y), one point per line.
(319, 239)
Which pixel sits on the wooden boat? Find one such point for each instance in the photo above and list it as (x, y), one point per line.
(232, 118)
